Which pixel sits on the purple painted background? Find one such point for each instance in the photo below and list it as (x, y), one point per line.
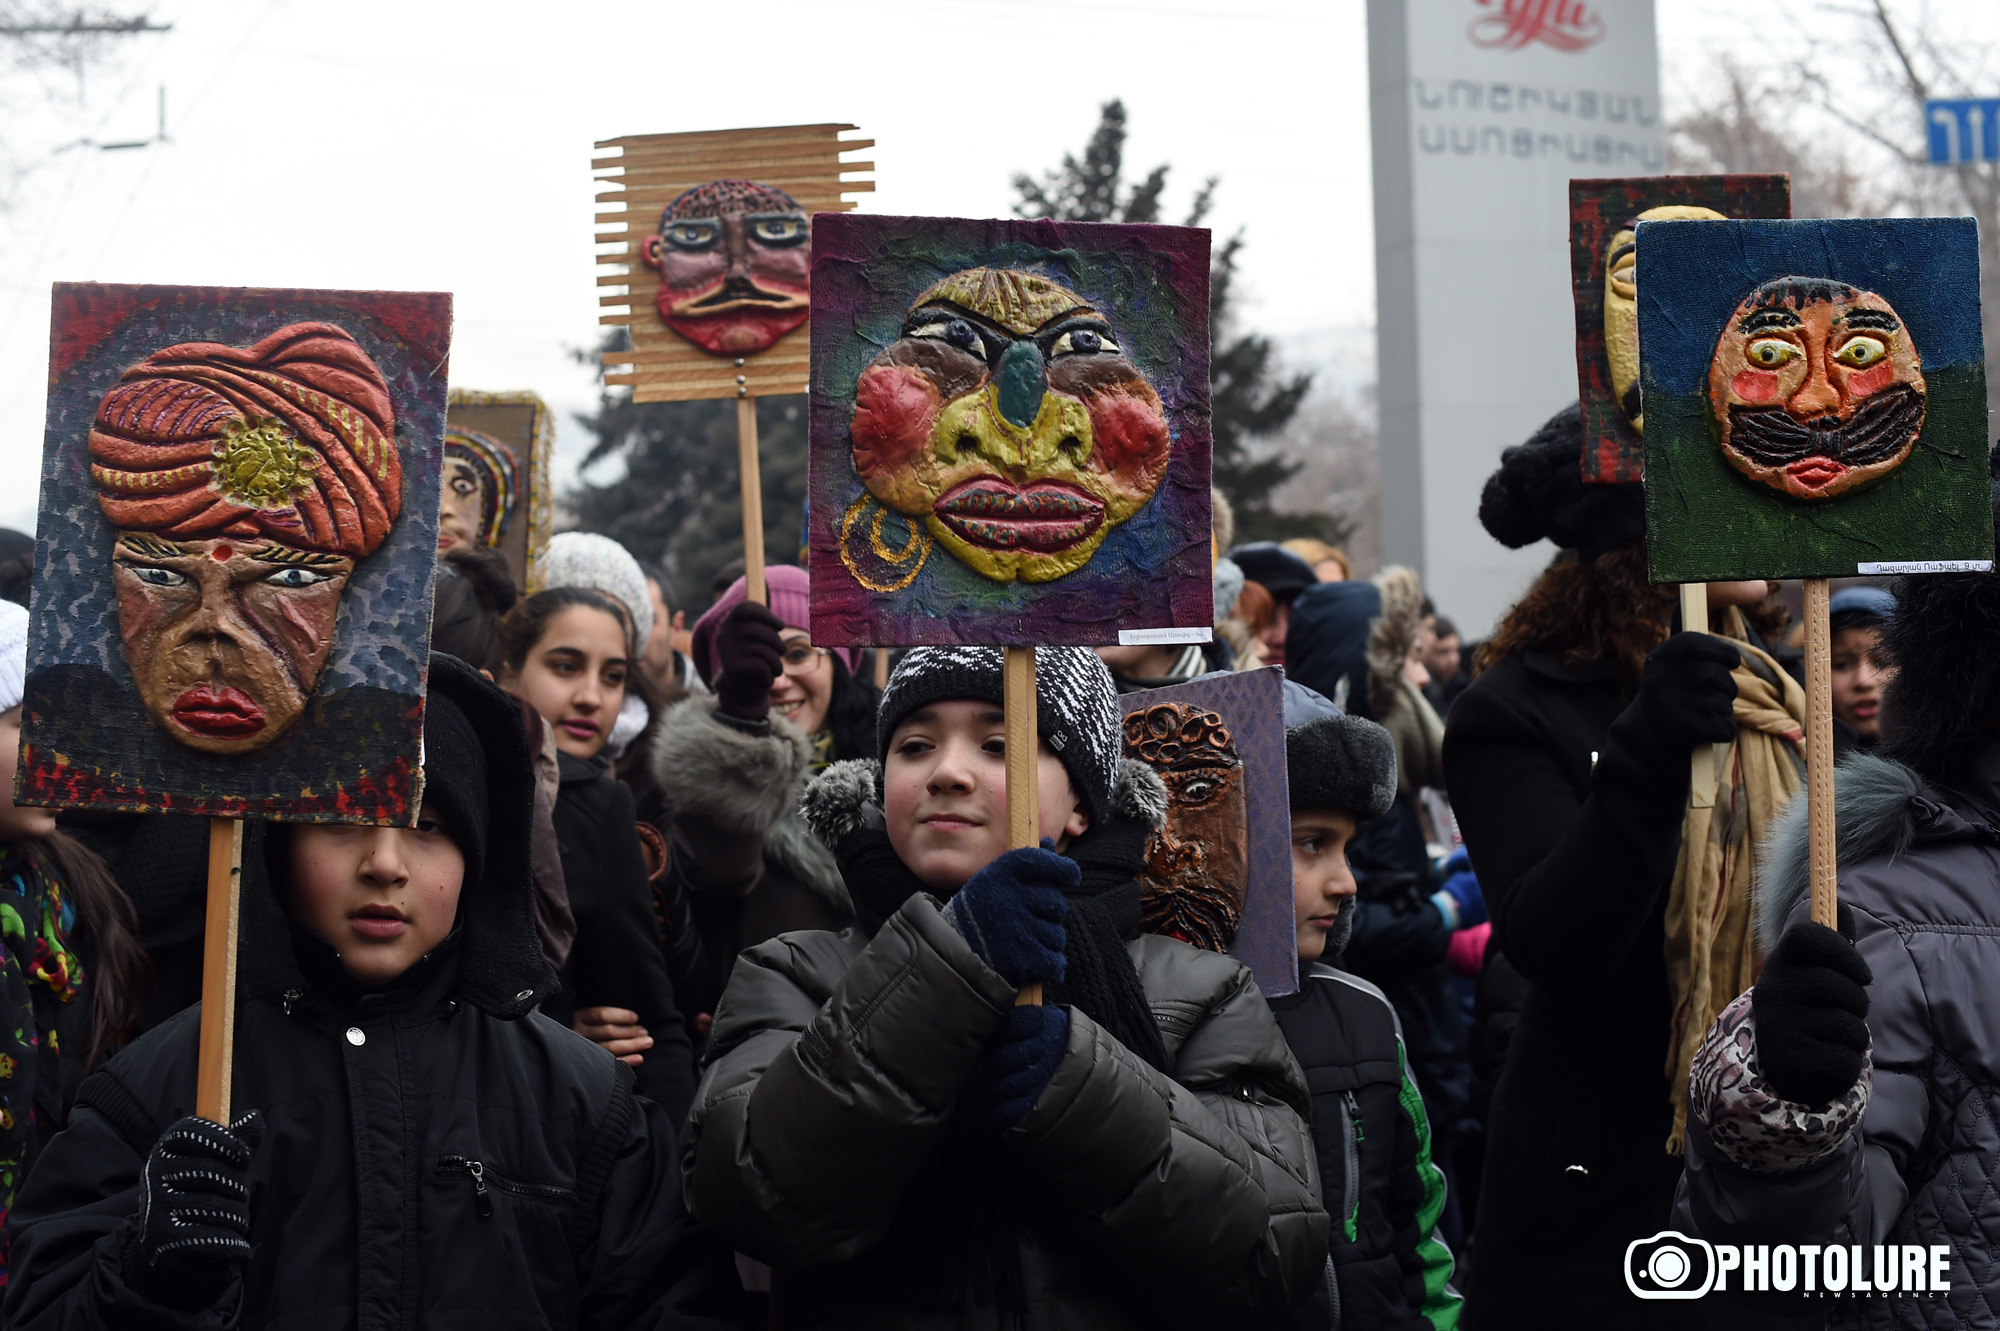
(1253, 705)
(1155, 569)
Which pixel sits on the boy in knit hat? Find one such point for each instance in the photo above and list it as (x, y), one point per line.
(907, 1147)
(417, 1145)
(1386, 1266)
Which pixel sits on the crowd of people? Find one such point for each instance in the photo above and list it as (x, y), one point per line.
(706, 993)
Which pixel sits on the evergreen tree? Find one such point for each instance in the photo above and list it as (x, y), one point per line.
(1248, 398)
(679, 501)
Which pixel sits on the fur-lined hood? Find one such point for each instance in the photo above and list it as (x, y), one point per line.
(1882, 809)
(847, 797)
(1393, 634)
(744, 784)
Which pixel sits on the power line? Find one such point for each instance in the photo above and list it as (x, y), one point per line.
(80, 26)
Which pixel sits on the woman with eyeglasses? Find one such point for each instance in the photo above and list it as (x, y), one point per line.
(729, 767)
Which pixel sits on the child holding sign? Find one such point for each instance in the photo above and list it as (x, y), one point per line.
(423, 1149)
(904, 1144)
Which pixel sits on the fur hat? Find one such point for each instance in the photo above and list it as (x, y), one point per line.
(1336, 761)
(1539, 492)
(1944, 641)
(1076, 706)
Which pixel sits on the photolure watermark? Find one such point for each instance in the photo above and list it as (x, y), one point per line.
(1670, 1265)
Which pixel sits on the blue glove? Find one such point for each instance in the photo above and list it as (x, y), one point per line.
(1012, 913)
(1020, 1058)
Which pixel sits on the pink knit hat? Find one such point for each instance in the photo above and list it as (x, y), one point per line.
(788, 590)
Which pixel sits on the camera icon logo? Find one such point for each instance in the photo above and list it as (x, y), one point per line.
(1669, 1265)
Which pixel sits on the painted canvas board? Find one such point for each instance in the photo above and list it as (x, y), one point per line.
(703, 247)
(496, 490)
(1009, 432)
(233, 560)
(1815, 398)
(1219, 874)
(1603, 217)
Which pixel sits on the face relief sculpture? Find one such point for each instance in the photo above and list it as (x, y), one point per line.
(479, 490)
(1621, 304)
(1007, 419)
(1815, 388)
(734, 266)
(1197, 865)
(243, 484)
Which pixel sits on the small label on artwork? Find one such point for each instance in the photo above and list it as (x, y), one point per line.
(1925, 566)
(1162, 637)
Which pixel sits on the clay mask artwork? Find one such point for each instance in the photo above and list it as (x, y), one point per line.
(251, 632)
(481, 489)
(1196, 865)
(1604, 217)
(707, 261)
(497, 492)
(1218, 875)
(1815, 388)
(733, 262)
(1009, 439)
(1621, 306)
(1815, 398)
(1008, 421)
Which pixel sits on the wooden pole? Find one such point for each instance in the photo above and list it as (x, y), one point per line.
(1819, 752)
(1707, 758)
(881, 669)
(753, 496)
(218, 970)
(1023, 746)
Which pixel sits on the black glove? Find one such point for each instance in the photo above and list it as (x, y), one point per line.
(194, 1206)
(1012, 913)
(1811, 1008)
(752, 657)
(1686, 694)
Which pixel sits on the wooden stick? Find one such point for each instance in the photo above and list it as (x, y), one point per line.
(753, 497)
(1023, 746)
(1819, 752)
(218, 970)
(881, 669)
(1702, 774)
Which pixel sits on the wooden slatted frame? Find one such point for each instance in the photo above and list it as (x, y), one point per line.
(638, 175)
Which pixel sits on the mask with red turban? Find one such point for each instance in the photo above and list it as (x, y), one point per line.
(293, 439)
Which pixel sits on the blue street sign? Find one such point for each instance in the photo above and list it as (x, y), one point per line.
(1963, 130)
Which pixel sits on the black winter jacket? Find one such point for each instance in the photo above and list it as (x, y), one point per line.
(1387, 1268)
(1180, 1198)
(1572, 811)
(616, 960)
(367, 1210)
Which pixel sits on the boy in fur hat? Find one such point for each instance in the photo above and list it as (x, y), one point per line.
(909, 1148)
(1386, 1266)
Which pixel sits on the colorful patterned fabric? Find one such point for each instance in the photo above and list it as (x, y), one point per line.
(37, 967)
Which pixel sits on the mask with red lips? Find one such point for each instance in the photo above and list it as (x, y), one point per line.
(1009, 422)
(734, 264)
(1815, 388)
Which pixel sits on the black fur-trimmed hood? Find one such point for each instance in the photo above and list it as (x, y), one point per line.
(847, 797)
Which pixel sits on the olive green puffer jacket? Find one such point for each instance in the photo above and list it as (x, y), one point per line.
(837, 1060)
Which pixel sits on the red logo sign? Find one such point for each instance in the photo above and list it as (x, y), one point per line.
(1566, 25)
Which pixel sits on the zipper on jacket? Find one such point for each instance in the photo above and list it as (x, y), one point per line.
(1350, 1111)
(482, 1195)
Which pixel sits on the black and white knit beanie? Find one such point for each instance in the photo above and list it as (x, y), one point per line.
(1076, 706)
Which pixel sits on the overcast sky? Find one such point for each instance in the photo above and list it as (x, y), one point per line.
(447, 147)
